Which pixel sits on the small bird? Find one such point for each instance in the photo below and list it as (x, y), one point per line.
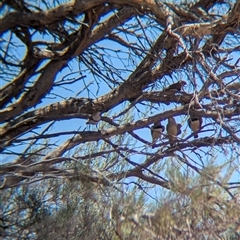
(176, 86)
(237, 105)
(169, 22)
(94, 119)
(156, 131)
(172, 130)
(195, 123)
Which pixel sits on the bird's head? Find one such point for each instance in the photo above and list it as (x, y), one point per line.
(183, 83)
(157, 124)
(171, 120)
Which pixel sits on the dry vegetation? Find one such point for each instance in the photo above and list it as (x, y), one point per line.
(64, 63)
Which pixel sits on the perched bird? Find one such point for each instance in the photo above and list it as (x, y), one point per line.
(176, 86)
(195, 123)
(172, 130)
(237, 105)
(169, 22)
(94, 119)
(156, 131)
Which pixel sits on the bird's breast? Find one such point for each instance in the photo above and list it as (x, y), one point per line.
(157, 130)
(172, 130)
(195, 125)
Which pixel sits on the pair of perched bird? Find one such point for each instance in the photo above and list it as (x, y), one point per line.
(174, 129)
